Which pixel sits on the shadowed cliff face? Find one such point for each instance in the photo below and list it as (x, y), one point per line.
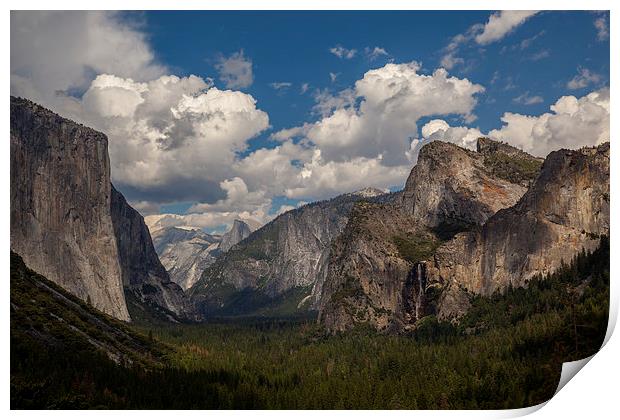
(143, 274)
(58, 322)
(69, 224)
(60, 205)
(396, 263)
(367, 276)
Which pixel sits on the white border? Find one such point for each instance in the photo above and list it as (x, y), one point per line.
(592, 395)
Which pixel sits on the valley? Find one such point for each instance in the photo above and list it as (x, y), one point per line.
(468, 288)
(497, 357)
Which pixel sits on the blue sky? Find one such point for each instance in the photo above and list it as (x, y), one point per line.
(521, 65)
(294, 47)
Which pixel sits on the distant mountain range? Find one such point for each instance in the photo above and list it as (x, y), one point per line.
(187, 251)
(280, 266)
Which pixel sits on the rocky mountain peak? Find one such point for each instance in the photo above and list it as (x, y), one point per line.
(284, 260)
(456, 188)
(565, 211)
(391, 266)
(565, 186)
(437, 150)
(487, 146)
(185, 252)
(238, 232)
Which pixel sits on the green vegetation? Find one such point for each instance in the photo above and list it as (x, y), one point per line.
(506, 353)
(223, 299)
(516, 169)
(416, 248)
(60, 345)
(350, 288)
(250, 302)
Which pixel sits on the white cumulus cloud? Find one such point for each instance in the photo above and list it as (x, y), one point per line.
(320, 178)
(54, 53)
(572, 123)
(440, 130)
(380, 114)
(173, 137)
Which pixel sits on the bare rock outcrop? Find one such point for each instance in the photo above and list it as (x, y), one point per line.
(368, 279)
(452, 188)
(238, 232)
(565, 211)
(69, 224)
(396, 263)
(60, 205)
(378, 268)
(185, 252)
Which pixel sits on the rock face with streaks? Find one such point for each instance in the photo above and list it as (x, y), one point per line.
(60, 205)
(566, 210)
(69, 224)
(284, 259)
(452, 188)
(366, 275)
(380, 268)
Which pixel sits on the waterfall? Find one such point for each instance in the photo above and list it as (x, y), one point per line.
(418, 304)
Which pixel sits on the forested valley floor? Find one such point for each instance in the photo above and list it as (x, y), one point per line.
(506, 353)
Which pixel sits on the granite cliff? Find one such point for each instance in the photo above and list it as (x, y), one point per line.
(60, 205)
(69, 224)
(238, 232)
(185, 252)
(566, 210)
(452, 188)
(467, 223)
